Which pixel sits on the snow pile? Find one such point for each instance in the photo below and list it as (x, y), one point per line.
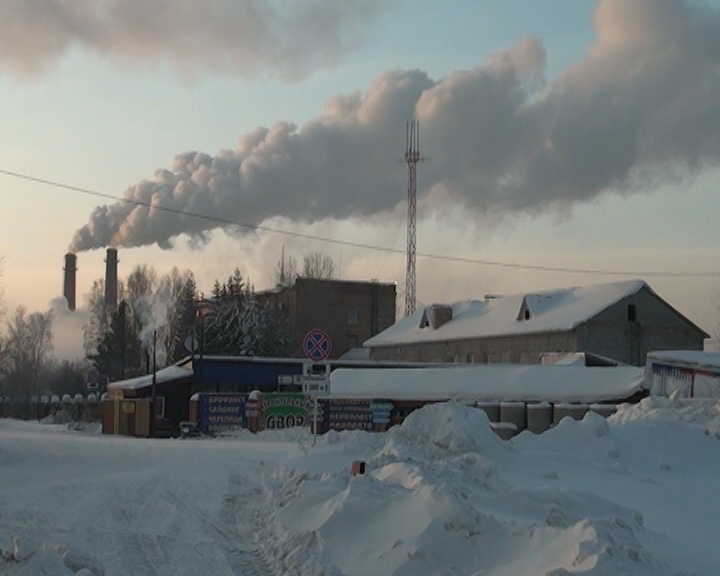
(631, 495)
(439, 431)
(444, 495)
(702, 412)
(33, 558)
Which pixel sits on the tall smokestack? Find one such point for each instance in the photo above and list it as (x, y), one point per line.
(111, 279)
(69, 280)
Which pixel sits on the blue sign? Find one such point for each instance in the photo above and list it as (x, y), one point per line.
(317, 345)
(218, 412)
(381, 411)
(346, 415)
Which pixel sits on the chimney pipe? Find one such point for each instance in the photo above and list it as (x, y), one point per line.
(69, 280)
(111, 279)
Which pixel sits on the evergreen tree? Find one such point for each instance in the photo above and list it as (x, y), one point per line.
(119, 354)
(183, 323)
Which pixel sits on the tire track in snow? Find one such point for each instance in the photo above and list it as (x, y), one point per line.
(242, 560)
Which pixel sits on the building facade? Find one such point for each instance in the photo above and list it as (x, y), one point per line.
(623, 322)
(350, 312)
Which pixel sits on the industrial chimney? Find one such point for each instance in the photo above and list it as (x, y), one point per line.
(111, 278)
(69, 280)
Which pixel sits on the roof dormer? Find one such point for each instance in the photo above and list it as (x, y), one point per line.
(436, 315)
(524, 313)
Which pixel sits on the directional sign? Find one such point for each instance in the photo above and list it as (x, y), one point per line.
(317, 345)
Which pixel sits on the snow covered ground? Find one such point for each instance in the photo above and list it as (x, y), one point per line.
(636, 494)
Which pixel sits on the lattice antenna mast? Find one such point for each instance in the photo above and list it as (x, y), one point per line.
(412, 157)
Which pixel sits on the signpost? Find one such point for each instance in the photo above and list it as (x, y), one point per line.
(316, 382)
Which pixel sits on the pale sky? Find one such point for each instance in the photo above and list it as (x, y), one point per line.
(104, 110)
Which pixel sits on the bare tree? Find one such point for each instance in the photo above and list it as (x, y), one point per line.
(3, 340)
(286, 271)
(318, 265)
(2, 289)
(27, 351)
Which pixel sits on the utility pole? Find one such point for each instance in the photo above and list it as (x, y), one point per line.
(153, 414)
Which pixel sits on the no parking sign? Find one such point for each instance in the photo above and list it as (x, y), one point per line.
(317, 345)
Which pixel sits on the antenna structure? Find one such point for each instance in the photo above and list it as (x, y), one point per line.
(412, 157)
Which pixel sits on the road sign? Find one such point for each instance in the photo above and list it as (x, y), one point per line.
(92, 379)
(191, 343)
(317, 345)
(319, 387)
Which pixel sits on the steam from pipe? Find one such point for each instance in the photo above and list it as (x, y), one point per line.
(640, 110)
(247, 37)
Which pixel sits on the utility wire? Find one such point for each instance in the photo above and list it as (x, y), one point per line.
(428, 255)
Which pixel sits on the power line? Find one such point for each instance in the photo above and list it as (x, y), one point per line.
(361, 245)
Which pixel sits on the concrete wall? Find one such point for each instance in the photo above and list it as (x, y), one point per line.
(348, 311)
(657, 326)
(507, 350)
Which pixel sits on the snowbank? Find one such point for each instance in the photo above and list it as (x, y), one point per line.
(630, 495)
(550, 383)
(443, 495)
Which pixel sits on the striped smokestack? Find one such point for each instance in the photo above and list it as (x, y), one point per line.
(69, 279)
(111, 278)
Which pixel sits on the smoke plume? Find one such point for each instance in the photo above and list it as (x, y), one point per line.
(638, 111)
(244, 36)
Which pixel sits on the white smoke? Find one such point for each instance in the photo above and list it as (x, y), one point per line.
(249, 37)
(638, 111)
(153, 312)
(68, 326)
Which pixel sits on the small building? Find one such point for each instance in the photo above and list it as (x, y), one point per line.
(173, 386)
(691, 374)
(350, 312)
(622, 321)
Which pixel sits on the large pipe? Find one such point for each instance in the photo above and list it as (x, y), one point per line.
(111, 278)
(69, 279)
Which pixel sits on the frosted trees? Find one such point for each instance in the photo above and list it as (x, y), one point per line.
(27, 350)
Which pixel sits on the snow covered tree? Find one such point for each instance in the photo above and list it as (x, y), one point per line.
(223, 330)
(272, 338)
(240, 326)
(98, 320)
(183, 317)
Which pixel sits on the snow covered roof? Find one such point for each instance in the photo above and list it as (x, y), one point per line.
(356, 354)
(490, 382)
(174, 372)
(547, 311)
(687, 358)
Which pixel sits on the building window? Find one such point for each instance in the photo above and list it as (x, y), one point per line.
(159, 407)
(352, 342)
(352, 317)
(527, 314)
(469, 358)
(631, 313)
